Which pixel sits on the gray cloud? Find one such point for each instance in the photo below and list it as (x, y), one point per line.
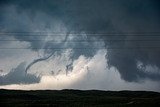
(18, 76)
(130, 29)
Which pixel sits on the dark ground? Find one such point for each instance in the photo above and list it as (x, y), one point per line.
(77, 98)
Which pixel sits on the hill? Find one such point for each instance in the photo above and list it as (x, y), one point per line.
(79, 98)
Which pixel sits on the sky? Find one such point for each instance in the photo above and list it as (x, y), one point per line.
(80, 44)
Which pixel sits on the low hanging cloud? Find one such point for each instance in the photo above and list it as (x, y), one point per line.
(86, 74)
(18, 76)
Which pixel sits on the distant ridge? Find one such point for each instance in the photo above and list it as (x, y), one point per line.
(79, 98)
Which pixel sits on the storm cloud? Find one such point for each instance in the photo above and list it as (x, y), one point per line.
(18, 76)
(127, 29)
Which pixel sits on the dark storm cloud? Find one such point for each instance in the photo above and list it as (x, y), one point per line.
(130, 28)
(18, 76)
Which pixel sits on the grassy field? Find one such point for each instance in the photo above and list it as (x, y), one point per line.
(78, 98)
